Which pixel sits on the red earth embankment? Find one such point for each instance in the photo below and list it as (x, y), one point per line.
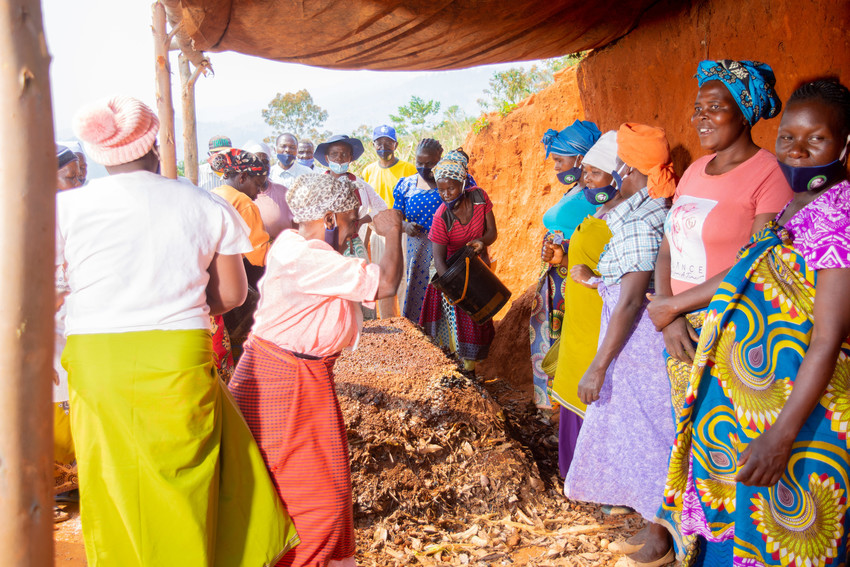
(646, 76)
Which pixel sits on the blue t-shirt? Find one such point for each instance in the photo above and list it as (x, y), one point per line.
(568, 213)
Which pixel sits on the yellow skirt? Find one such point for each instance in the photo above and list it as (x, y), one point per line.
(169, 472)
(582, 316)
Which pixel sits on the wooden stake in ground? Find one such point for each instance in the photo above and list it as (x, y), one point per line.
(164, 105)
(27, 288)
(190, 125)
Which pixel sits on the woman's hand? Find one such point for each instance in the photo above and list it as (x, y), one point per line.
(660, 310)
(764, 459)
(411, 228)
(679, 339)
(583, 275)
(477, 245)
(590, 385)
(547, 253)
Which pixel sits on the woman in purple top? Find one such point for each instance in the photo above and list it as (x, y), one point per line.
(759, 469)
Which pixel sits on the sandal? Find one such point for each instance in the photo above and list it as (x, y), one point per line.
(60, 515)
(624, 547)
(669, 557)
(616, 510)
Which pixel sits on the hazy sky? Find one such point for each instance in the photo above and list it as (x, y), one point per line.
(104, 47)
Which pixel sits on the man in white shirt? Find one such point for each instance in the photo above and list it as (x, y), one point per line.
(207, 178)
(286, 170)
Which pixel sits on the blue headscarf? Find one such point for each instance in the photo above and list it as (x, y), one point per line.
(750, 82)
(573, 140)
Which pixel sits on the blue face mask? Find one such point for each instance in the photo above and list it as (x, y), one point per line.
(332, 237)
(570, 176)
(385, 154)
(285, 159)
(451, 204)
(604, 194)
(306, 162)
(814, 177)
(338, 168)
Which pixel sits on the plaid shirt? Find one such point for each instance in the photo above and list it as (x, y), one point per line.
(637, 227)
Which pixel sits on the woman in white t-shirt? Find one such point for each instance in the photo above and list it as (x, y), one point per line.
(169, 473)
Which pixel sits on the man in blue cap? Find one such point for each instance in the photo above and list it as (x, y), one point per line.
(384, 173)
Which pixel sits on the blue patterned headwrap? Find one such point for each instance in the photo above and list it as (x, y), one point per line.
(452, 166)
(574, 140)
(750, 82)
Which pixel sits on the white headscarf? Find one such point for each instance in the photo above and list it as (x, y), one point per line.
(258, 147)
(603, 154)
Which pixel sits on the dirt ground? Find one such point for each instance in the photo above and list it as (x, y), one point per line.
(448, 468)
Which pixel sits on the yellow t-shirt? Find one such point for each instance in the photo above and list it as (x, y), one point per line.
(384, 179)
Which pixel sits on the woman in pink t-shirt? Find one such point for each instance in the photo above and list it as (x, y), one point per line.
(722, 199)
(464, 219)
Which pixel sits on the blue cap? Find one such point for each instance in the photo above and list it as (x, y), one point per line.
(384, 131)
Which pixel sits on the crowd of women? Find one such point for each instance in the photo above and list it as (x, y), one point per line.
(700, 383)
(675, 325)
(182, 456)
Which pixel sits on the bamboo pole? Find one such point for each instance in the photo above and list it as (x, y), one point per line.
(28, 169)
(164, 105)
(190, 124)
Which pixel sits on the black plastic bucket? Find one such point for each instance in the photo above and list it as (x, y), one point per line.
(472, 286)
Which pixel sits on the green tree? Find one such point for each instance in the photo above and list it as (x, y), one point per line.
(415, 115)
(296, 113)
(509, 88)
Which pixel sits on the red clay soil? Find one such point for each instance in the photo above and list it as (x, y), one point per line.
(447, 468)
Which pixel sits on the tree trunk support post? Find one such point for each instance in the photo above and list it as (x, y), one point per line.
(190, 124)
(164, 105)
(27, 287)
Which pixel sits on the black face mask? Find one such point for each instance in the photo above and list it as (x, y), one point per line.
(425, 173)
(812, 178)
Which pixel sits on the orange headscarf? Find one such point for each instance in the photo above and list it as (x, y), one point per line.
(646, 148)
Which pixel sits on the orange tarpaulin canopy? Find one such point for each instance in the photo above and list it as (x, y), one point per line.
(410, 35)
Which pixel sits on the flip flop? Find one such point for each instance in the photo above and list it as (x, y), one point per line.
(616, 510)
(669, 557)
(624, 547)
(60, 515)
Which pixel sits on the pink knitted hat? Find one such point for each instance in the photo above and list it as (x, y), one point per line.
(117, 130)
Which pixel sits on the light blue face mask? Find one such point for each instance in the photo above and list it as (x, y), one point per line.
(338, 168)
(305, 162)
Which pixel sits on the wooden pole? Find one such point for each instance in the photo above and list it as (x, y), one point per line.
(164, 105)
(28, 169)
(190, 125)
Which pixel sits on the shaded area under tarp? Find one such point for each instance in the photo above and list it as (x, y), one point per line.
(407, 35)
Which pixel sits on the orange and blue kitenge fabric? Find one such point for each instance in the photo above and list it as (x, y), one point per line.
(756, 333)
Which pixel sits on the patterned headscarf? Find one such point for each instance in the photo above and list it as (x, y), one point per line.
(574, 140)
(237, 161)
(454, 165)
(750, 82)
(313, 194)
(646, 148)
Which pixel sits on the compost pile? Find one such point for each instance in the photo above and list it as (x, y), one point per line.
(444, 474)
